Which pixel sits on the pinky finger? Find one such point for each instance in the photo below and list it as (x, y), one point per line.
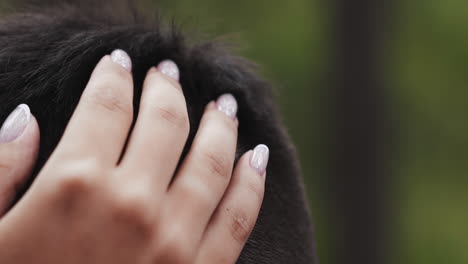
(235, 217)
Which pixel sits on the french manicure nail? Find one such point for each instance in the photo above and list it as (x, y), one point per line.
(169, 68)
(227, 104)
(259, 158)
(15, 124)
(121, 57)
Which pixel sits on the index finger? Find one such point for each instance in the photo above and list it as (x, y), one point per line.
(101, 122)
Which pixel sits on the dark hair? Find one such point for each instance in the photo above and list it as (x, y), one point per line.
(47, 55)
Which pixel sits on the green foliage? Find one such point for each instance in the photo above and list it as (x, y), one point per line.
(431, 74)
(428, 81)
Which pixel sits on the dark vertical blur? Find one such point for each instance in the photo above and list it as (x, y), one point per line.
(359, 169)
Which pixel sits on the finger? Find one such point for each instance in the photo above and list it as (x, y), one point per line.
(100, 124)
(235, 217)
(161, 129)
(206, 171)
(19, 145)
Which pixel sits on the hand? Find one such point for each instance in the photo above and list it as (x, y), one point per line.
(96, 202)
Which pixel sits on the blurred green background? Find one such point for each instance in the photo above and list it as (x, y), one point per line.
(428, 73)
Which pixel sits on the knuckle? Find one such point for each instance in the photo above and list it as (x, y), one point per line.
(76, 183)
(114, 103)
(77, 177)
(133, 212)
(174, 249)
(73, 182)
(217, 163)
(239, 223)
(71, 193)
(197, 189)
(174, 115)
(111, 98)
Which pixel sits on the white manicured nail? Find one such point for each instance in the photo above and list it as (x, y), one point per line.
(15, 124)
(227, 104)
(169, 68)
(259, 158)
(121, 57)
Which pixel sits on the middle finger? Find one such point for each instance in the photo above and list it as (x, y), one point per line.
(161, 129)
(206, 171)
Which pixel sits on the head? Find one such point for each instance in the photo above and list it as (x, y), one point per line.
(48, 53)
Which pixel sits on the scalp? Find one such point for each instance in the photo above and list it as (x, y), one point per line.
(48, 53)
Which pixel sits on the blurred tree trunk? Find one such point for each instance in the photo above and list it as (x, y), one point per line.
(360, 131)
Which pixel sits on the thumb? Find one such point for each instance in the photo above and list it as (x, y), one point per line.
(19, 145)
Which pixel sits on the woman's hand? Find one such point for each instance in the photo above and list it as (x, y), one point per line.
(99, 201)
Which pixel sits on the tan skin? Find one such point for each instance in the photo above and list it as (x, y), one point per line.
(87, 207)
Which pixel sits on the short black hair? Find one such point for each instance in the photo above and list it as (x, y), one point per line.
(48, 50)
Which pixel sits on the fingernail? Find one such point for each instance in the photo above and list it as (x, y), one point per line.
(259, 158)
(121, 57)
(169, 68)
(15, 124)
(227, 104)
